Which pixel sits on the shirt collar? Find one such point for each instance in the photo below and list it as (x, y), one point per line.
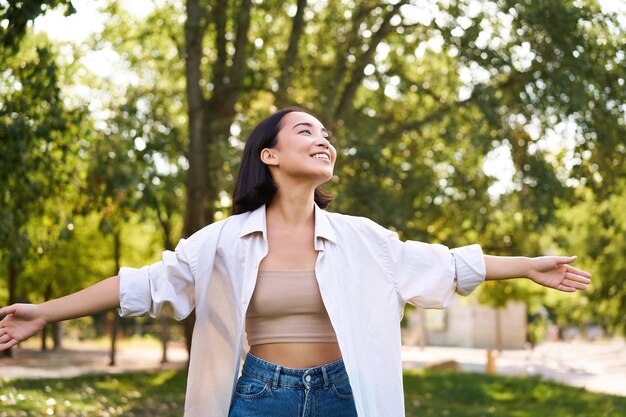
(323, 227)
(256, 222)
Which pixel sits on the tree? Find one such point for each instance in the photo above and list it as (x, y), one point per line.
(17, 15)
(37, 145)
(416, 96)
(596, 227)
(416, 103)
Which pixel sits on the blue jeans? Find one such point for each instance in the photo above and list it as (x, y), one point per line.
(266, 389)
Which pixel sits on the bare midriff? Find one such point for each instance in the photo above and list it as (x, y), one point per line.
(297, 355)
(292, 248)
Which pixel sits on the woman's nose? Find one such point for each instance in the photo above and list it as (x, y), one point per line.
(323, 142)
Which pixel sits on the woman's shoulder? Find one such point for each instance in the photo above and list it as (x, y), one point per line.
(230, 226)
(357, 224)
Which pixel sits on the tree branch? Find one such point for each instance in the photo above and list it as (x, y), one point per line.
(220, 45)
(288, 61)
(341, 67)
(196, 179)
(357, 72)
(241, 42)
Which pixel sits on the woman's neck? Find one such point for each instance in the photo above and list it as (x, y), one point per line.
(293, 209)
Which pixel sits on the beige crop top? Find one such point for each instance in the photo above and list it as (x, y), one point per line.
(286, 306)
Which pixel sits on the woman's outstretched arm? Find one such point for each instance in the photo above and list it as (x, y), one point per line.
(549, 271)
(22, 321)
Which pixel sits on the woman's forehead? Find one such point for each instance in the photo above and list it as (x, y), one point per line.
(294, 118)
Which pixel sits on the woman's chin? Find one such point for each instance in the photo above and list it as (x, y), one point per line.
(327, 176)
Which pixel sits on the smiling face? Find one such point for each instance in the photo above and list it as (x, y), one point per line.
(302, 151)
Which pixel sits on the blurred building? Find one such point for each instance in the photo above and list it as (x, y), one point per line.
(467, 324)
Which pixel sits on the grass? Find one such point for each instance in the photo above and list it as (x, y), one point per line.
(428, 393)
(133, 394)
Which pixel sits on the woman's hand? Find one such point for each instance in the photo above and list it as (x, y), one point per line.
(21, 321)
(24, 320)
(555, 272)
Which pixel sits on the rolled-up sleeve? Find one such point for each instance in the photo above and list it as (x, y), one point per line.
(428, 275)
(470, 268)
(168, 282)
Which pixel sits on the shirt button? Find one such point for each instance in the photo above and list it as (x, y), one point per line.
(243, 301)
(307, 378)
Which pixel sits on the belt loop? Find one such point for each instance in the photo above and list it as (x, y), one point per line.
(276, 375)
(326, 381)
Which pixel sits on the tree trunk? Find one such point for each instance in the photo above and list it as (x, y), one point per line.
(113, 351)
(188, 325)
(423, 330)
(166, 228)
(13, 275)
(167, 236)
(165, 336)
(13, 269)
(47, 294)
(196, 180)
(164, 216)
(498, 312)
(290, 57)
(357, 73)
(210, 120)
(44, 336)
(57, 335)
(114, 320)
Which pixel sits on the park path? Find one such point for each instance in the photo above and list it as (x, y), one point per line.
(89, 358)
(599, 366)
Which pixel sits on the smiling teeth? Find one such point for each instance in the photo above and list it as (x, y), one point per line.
(320, 156)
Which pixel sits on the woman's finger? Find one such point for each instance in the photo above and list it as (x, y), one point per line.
(6, 319)
(574, 284)
(7, 345)
(7, 310)
(577, 277)
(565, 259)
(565, 288)
(578, 271)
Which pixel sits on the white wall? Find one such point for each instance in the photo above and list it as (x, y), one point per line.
(469, 324)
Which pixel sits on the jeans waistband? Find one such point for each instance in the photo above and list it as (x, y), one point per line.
(278, 375)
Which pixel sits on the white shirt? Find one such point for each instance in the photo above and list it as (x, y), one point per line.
(365, 275)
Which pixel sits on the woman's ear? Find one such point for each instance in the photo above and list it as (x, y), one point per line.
(268, 157)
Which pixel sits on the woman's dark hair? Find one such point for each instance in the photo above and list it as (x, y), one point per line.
(254, 186)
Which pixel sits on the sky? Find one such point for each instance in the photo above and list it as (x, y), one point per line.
(86, 20)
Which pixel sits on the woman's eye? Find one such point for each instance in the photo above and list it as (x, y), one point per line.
(307, 131)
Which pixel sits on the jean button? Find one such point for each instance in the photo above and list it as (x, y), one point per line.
(307, 378)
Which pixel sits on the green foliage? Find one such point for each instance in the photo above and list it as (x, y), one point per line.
(141, 143)
(413, 137)
(38, 154)
(137, 166)
(36, 141)
(597, 227)
(416, 98)
(17, 14)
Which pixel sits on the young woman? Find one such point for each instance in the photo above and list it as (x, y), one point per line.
(319, 294)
